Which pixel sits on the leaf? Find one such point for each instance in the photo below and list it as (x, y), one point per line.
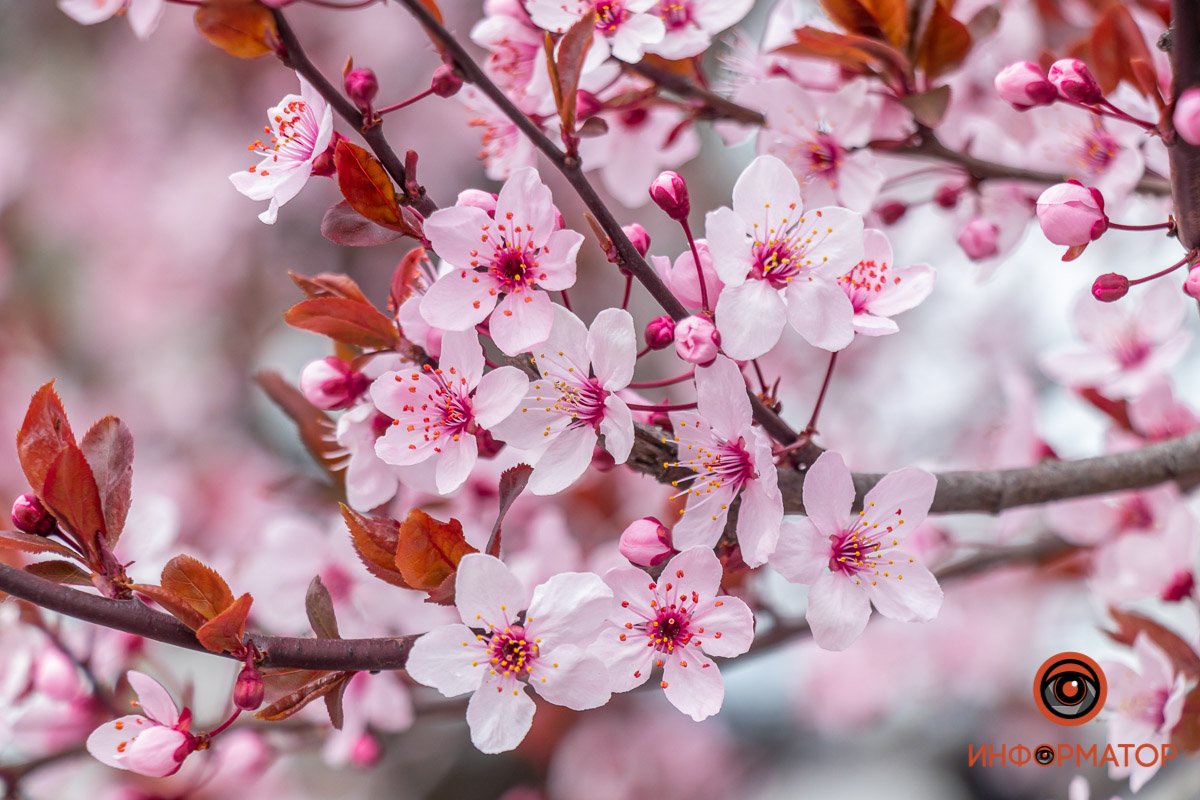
(333, 705)
(857, 54)
(44, 434)
(71, 494)
(366, 185)
(512, 482)
(329, 284)
(573, 48)
(928, 108)
(1181, 654)
(175, 605)
(853, 16)
(319, 605)
(62, 572)
(945, 43)
(242, 28)
(404, 278)
(32, 543)
(292, 702)
(198, 585)
(108, 446)
(345, 226)
(1115, 43)
(1075, 251)
(375, 540)
(985, 22)
(892, 16)
(225, 632)
(1186, 734)
(318, 432)
(346, 321)
(429, 550)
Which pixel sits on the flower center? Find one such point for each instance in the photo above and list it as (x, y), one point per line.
(825, 156)
(513, 266)
(609, 16)
(582, 402)
(671, 627)
(1098, 150)
(446, 409)
(511, 653)
(289, 138)
(774, 260)
(864, 551)
(675, 13)
(1136, 514)
(1131, 353)
(725, 464)
(867, 278)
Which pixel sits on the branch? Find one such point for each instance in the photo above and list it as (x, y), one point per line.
(1185, 158)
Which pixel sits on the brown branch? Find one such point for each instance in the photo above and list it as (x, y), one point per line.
(1185, 158)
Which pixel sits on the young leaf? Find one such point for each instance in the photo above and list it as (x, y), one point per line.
(366, 185)
(242, 28)
(857, 54)
(573, 48)
(63, 572)
(333, 705)
(71, 494)
(512, 482)
(329, 284)
(31, 543)
(292, 702)
(197, 585)
(174, 605)
(1181, 654)
(854, 16)
(405, 276)
(43, 435)
(1117, 41)
(346, 321)
(429, 550)
(224, 632)
(345, 226)
(945, 44)
(375, 540)
(108, 446)
(928, 108)
(318, 432)
(319, 605)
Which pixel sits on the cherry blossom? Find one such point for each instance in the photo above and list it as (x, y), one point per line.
(852, 561)
(370, 481)
(878, 289)
(690, 25)
(517, 57)
(300, 129)
(681, 278)
(675, 623)
(541, 643)
(576, 399)
(624, 28)
(1159, 565)
(436, 412)
(143, 15)
(780, 264)
(504, 149)
(730, 458)
(153, 743)
(519, 252)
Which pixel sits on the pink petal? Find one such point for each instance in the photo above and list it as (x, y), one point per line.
(696, 569)
(569, 609)
(802, 555)
(902, 497)
(567, 676)
(455, 462)
(156, 752)
(522, 321)
(908, 593)
(529, 202)
(838, 611)
(499, 714)
(154, 699)
(461, 361)
(617, 428)
(760, 515)
(557, 265)
(459, 300)
(767, 191)
(631, 585)
(868, 325)
(498, 395)
(820, 312)
(439, 659)
(486, 593)
(612, 346)
(828, 493)
(751, 317)
(703, 517)
(565, 352)
(564, 461)
(695, 689)
(456, 234)
(916, 283)
(629, 661)
(109, 743)
(728, 238)
(722, 399)
(732, 619)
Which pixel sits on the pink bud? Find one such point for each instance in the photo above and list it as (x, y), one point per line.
(670, 193)
(660, 332)
(323, 165)
(697, 340)
(365, 752)
(1075, 82)
(646, 542)
(361, 88)
(1187, 116)
(978, 239)
(30, 516)
(1072, 214)
(946, 195)
(891, 212)
(638, 236)
(248, 690)
(1110, 287)
(331, 383)
(446, 82)
(1024, 85)
(1191, 286)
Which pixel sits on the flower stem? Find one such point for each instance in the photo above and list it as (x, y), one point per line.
(687, 231)
(1169, 226)
(664, 382)
(1163, 272)
(237, 712)
(811, 427)
(661, 407)
(379, 112)
(628, 292)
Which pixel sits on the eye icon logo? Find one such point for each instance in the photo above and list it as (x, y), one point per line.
(1069, 689)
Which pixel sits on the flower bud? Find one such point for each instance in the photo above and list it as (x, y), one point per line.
(1187, 116)
(646, 542)
(248, 690)
(602, 460)
(638, 237)
(361, 87)
(1023, 85)
(331, 383)
(1072, 214)
(697, 340)
(446, 81)
(323, 165)
(670, 193)
(1110, 287)
(30, 516)
(1191, 286)
(946, 196)
(365, 751)
(891, 212)
(660, 332)
(1075, 81)
(979, 239)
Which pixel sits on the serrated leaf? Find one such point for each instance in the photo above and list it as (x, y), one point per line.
(329, 284)
(375, 540)
(62, 572)
(345, 226)
(333, 705)
(853, 16)
(1180, 653)
(944, 44)
(242, 28)
(32, 543)
(174, 605)
(346, 321)
(71, 494)
(573, 48)
(857, 54)
(317, 430)
(404, 277)
(43, 435)
(318, 604)
(512, 482)
(365, 184)
(292, 702)
(1115, 42)
(428, 550)
(198, 585)
(225, 632)
(108, 446)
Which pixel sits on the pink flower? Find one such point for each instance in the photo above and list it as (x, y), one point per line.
(659, 335)
(681, 277)
(690, 25)
(1104, 154)
(853, 560)
(436, 412)
(1072, 214)
(330, 383)
(780, 264)
(301, 127)
(729, 458)
(153, 743)
(624, 28)
(1191, 286)
(575, 400)
(1156, 414)
(878, 289)
(1157, 565)
(1075, 81)
(370, 481)
(697, 340)
(646, 542)
(516, 55)
(518, 253)
(1024, 85)
(675, 623)
(1125, 347)
(541, 643)
(1144, 705)
(143, 15)
(979, 239)
(1187, 116)
(504, 149)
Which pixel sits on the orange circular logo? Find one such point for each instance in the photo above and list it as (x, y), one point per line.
(1069, 689)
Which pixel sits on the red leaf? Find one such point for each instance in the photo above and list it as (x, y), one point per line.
(944, 45)
(345, 226)
(318, 604)
(512, 482)
(71, 494)
(291, 703)
(317, 430)
(329, 284)
(857, 54)
(224, 632)
(242, 28)
(405, 277)
(1181, 654)
(854, 17)
(573, 48)
(43, 435)
(108, 446)
(175, 605)
(366, 185)
(346, 321)
(62, 572)
(1116, 42)
(31, 543)
(375, 540)
(197, 585)
(428, 550)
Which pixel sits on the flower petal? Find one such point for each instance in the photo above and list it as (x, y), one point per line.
(564, 461)
(722, 400)
(821, 312)
(908, 593)
(802, 555)
(612, 346)
(728, 627)
(444, 659)
(486, 592)
(901, 498)
(459, 300)
(522, 321)
(828, 493)
(751, 317)
(568, 676)
(498, 395)
(838, 611)
(692, 682)
(499, 714)
(154, 699)
(569, 609)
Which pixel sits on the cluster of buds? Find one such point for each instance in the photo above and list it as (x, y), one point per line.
(1025, 85)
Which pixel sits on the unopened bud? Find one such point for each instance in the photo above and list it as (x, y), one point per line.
(1075, 82)
(1110, 287)
(646, 542)
(1072, 214)
(248, 690)
(1187, 116)
(697, 340)
(602, 460)
(1024, 85)
(446, 82)
(946, 195)
(979, 239)
(30, 516)
(1191, 286)
(670, 193)
(323, 165)
(891, 212)
(331, 383)
(365, 751)
(361, 87)
(586, 104)
(638, 237)
(660, 333)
